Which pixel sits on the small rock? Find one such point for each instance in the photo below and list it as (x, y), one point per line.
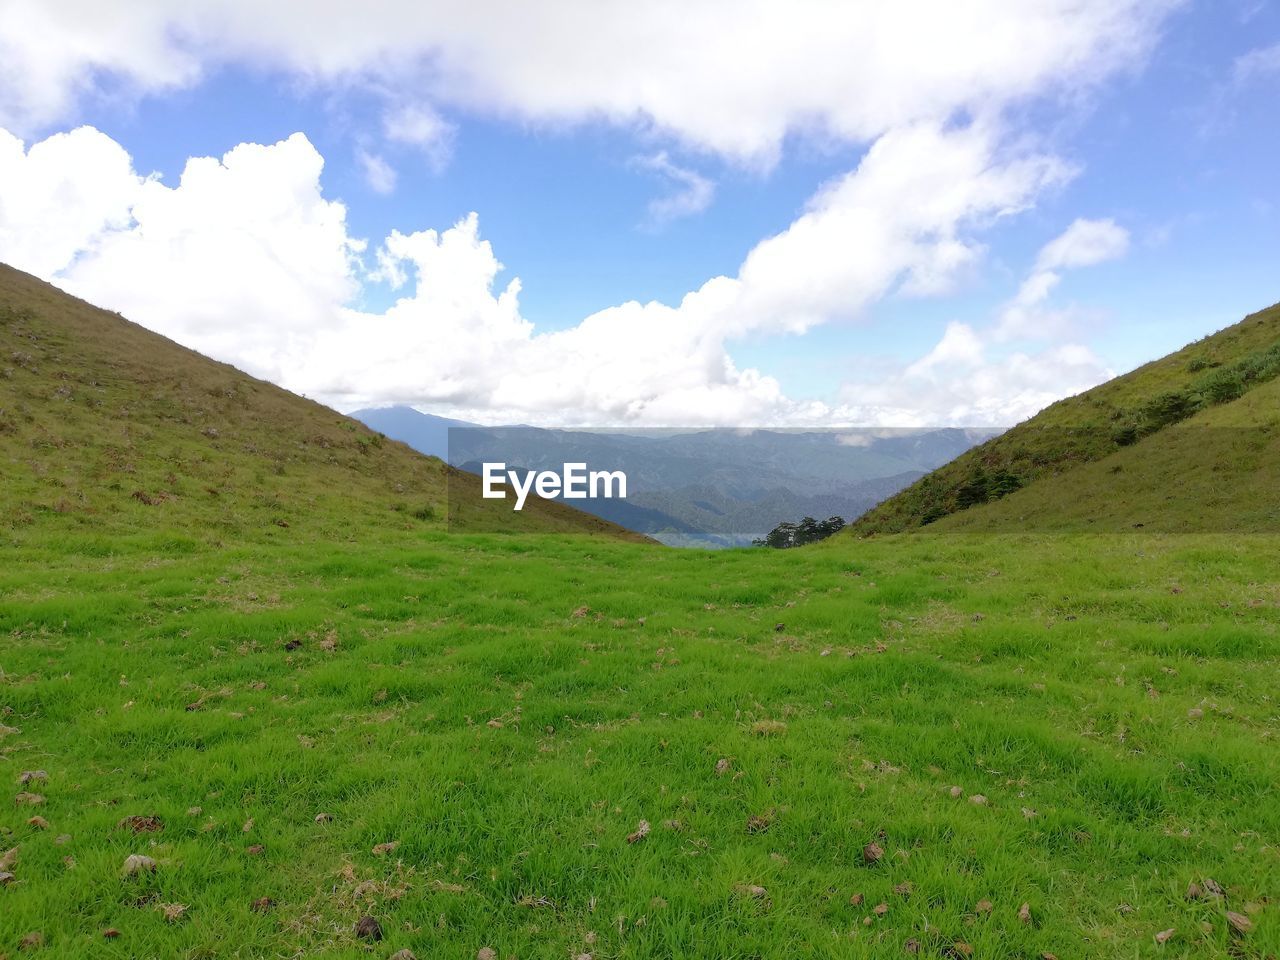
(1239, 922)
(6, 878)
(984, 906)
(1164, 936)
(957, 792)
(1195, 891)
(40, 823)
(1213, 888)
(136, 863)
(324, 818)
(978, 800)
(8, 858)
(30, 799)
(141, 824)
(872, 853)
(880, 909)
(486, 953)
(367, 928)
(1024, 913)
(405, 954)
(1195, 713)
(856, 899)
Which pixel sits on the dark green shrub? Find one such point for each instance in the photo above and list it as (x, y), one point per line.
(1169, 408)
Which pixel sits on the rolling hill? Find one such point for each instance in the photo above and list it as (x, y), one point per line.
(107, 426)
(1193, 385)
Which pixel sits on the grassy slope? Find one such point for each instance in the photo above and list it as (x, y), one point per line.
(1219, 471)
(1092, 425)
(509, 708)
(109, 427)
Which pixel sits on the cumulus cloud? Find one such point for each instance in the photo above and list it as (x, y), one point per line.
(245, 259)
(907, 213)
(693, 192)
(62, 197)
(967, 380)
(972, 377)
(714, 75)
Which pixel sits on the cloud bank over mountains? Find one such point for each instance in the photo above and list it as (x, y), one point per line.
(247, 259)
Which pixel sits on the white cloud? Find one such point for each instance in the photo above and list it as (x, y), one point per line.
(246, 260)
(713, 75)
(693, 192)
(906, 213)
(966, 380)
(61, 197)
(1258, 63)
(420, 126)
(379, 174)
(1085, 243)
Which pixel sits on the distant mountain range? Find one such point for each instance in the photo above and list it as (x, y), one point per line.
(718, 487)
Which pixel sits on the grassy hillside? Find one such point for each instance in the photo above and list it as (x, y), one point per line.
(551, 746)
(1093, 425)
(106, 426)
(1218, 471)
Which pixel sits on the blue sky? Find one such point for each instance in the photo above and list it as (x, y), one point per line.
(1170, 142)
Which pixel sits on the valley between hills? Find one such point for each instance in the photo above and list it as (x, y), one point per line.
(256, 700)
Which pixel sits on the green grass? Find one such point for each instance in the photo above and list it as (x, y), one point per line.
(1218, 471)
(510, 746)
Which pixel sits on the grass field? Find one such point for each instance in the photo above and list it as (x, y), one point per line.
(486, 721)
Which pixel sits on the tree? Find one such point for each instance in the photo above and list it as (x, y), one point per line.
(786, 535)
